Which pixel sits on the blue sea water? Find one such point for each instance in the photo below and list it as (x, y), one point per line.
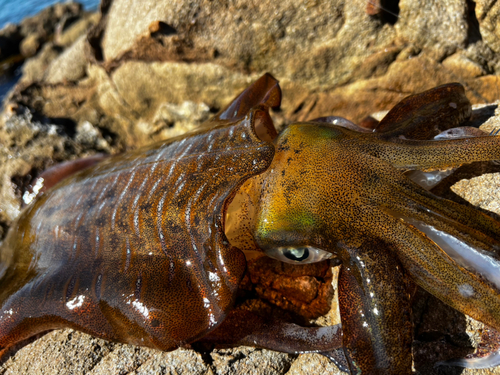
(6, 84)
(13, 12)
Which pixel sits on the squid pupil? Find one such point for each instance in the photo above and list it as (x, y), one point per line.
(297, 254)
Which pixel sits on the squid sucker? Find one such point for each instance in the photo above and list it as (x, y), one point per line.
(148, 247)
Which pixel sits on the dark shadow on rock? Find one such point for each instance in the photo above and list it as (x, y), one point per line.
(161, 28)
(439, 335)
(96, 33)
(473, 32)
(385, 10)
(12, 351)
(65, 126)
(390, 11)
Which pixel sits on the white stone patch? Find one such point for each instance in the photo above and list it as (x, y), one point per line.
(28, 197)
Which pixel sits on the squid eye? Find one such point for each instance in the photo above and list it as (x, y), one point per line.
(297, 254)
(300, 254)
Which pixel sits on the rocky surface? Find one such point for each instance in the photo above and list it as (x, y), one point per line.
(56, 26)
(331, 58)
(146, 70)
(483, 191)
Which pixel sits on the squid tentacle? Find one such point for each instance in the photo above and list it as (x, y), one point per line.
(469, 249)
(274, 334)
(411, 207)
(375, 315)
(416, 154)
(435, 271)
(472, 221)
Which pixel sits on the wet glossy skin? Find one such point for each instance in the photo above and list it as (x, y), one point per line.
(344, 192)
(125, 249)
(133, 249)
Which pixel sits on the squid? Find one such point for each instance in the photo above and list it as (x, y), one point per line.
(149, 247)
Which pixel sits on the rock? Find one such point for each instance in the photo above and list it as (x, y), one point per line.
(62, 22)
(34, 68)
(322, 51)
(40, 28)
(349, 64)
(81, 354)
(30, 145)
(488, 15)
(31, 44)
(313, 364)
(131, 109)
(461, 66)
(90, 136)
(483, 191)
(247, 360)
(491, 123)
(10, 37)
(45, 22)
(180, 361)
(69, 32)
(175, 119)
(70, 66)
(441, 25)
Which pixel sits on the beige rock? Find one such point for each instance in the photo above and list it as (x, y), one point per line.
(71, 352)
(316, 43)
(488, 15)
(80, 355)
(483, 191)
(157, 83)
(441, 24)
(70, 66)
(34, 68)
(175, 119)
(30, 45)
(247, 360)
(27, 147)
(492, 124)
(340, 61)
(67, 36)
(461, 66)
(313, 364)
(45, 22)
(181, 361)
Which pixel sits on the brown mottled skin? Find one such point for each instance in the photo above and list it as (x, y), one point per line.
(133, 249)
(343, 191)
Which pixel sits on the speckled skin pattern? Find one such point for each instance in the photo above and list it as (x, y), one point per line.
(344, 192)
(133, 249)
